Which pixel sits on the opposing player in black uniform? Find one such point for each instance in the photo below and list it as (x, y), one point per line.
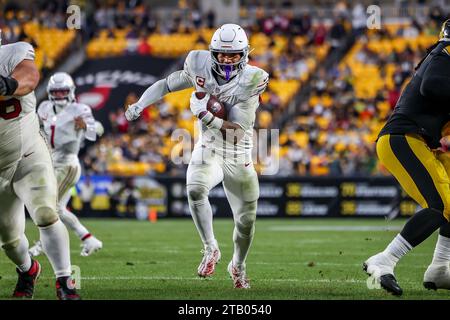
(408, 147)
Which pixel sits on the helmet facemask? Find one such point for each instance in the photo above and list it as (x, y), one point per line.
(228, 70)
(61, 96)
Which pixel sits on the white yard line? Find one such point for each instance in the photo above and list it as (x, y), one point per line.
(160, 278)
(334, 228)
(303, 263)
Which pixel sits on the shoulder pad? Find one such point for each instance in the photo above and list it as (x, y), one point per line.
(22, 49)
(80, 107)
(44, 106)
(254, 79)
(196, 60)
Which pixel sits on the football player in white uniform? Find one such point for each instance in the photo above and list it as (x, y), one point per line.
(27, 178)
(66, 123)
(223, 72)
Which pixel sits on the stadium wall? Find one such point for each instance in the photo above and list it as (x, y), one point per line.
(104, 84)
(137, 197)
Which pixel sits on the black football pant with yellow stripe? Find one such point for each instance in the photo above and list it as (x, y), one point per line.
(424, 174)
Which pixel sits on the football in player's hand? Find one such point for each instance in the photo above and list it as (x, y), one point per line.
(214, 105)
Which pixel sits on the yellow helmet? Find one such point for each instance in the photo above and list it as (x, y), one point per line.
(445, 30)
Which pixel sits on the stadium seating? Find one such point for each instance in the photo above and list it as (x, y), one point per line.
(52, 43)
(338, 121)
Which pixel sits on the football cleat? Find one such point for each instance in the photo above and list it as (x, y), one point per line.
(211, 256)
(238, 276)
(36, 249)
(65, 289)
(26, 281)
(437, 277)
(381, 268)
(90, 245)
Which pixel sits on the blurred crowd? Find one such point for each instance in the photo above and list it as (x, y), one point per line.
(335, 123)
(289, 57)
(43, 24)
(341, 117)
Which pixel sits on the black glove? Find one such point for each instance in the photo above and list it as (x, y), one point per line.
(8, 86)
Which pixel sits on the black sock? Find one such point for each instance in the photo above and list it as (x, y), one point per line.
(422, 225)
(445, 230)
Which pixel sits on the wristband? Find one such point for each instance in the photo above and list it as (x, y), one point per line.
(211, 121)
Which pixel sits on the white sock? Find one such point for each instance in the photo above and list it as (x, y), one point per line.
(244, 229)
(19, 254)
(202, 215)
(56, 245)
(242, 245)
(397, 248)
(71, 221)
(442, 251)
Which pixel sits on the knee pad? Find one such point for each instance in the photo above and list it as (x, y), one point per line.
(45, 216)
(245, 224)
(196, 192)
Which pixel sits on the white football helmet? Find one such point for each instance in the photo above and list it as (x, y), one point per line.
(229, 38)
(61, 89)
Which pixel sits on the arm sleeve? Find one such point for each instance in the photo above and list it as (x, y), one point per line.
(90, 133)
(174, 82)
(436, 78)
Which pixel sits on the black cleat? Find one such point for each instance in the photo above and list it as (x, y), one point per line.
(26, 281)
(430, 286)
(364, 266)
(389, 283)
(65, 289)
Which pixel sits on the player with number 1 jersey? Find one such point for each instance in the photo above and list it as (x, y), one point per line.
(66, 123)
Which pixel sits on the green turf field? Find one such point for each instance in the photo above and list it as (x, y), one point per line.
(290, 259)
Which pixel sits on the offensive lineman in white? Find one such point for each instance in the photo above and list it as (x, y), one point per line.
(223, 72)
(26, 177)
(66, 123)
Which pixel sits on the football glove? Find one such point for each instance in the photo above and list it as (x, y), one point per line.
(198, 106)
(133, 112)
(99, 129)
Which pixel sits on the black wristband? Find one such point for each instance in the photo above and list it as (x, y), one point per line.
(11, 85)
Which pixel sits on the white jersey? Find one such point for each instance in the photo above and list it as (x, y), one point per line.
(240, 97)
(59, 128)
(18, 119)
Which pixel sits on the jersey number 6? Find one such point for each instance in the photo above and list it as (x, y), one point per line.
(10, 109)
